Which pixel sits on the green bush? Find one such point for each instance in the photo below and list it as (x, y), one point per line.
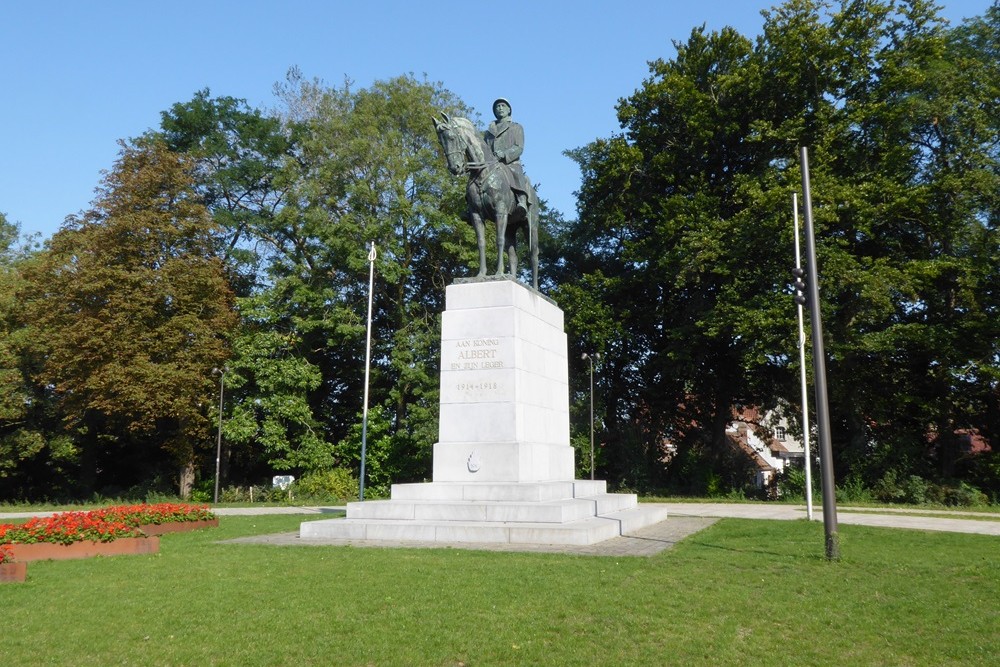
(336, 484)
(964, 495)
(985, 474)
(918, 491)
(915, 490)
(792, 483)
(203, 491)
(853, 490)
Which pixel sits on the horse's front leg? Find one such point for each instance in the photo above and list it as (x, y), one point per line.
(501, 240)
(480, 227)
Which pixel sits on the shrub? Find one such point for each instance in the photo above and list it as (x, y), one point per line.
(916, 490)
(853, 490)
(792, 483)
(985, 474)
(964, 495)
(336, 484)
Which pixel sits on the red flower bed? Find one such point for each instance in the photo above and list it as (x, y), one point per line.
(6, 554)
(144, 515)
(101, 525)
(66, 528)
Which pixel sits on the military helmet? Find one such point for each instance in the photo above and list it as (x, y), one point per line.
(498, 101)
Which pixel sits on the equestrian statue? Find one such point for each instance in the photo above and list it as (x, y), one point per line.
(498, 189)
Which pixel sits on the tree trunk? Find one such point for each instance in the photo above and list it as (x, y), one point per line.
(186, 480)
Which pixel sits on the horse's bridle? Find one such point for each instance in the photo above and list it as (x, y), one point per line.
(469, 166)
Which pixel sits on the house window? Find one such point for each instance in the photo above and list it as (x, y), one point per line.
(779, 433)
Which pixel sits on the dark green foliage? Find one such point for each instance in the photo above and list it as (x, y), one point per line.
(685, 231)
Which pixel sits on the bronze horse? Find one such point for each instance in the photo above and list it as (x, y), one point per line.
(489, 194)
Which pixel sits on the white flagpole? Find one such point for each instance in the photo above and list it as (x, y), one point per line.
(802, 368)
(368, 360)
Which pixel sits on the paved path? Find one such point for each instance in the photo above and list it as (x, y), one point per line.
(943, 520)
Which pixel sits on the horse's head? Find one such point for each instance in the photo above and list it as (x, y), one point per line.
(453, 143)
(463, 146)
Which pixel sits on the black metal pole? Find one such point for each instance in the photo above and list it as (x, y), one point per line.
(819, 372)
(218, 442)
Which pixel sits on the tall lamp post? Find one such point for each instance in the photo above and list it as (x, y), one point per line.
(811, 283)
(221, 372)
(591, 358)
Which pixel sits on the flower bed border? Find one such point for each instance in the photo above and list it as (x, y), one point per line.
(13, 573)
(25, 553)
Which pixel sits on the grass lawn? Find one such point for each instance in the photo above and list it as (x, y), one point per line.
(738, 593)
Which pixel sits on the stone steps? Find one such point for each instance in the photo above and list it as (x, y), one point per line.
(584, 531)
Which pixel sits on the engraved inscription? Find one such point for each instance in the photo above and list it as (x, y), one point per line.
(475, 354)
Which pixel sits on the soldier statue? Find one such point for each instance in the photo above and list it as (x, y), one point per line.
(506, 140)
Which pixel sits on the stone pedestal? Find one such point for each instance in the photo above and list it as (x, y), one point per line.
(504, 387)
(503, 465)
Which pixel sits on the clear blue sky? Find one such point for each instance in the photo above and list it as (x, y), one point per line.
(78, 75)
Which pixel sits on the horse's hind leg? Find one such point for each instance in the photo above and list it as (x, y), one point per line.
(480, 227)
(501, 240)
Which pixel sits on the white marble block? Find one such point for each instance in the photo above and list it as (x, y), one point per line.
(504, 387)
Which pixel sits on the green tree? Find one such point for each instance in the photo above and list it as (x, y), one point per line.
(19, 442)
(369, 169)
(684, 258)
(687, 213)
(239, 154)
(316, 183)
(130, 305)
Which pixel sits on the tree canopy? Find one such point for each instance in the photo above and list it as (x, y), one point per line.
(129, 308)
(686, 216)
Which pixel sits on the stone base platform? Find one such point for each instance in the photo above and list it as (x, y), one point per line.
(579, 512)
